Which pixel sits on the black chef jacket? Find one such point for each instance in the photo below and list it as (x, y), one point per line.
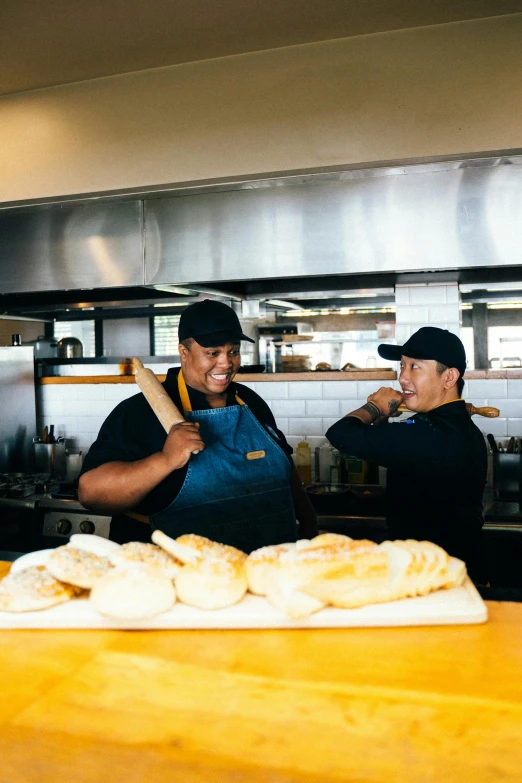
(132, 432)
(437, 467)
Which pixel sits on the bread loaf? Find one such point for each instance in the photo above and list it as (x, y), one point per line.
(411, 568)
(262, 566)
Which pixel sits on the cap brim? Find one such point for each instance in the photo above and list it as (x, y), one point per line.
(391, 352)
(215, 339)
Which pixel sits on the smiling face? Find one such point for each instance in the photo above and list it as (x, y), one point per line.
(422, 385)
(210, 370)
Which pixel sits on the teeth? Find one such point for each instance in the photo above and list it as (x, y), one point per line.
(220, 377)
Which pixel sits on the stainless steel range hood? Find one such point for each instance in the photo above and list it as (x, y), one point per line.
(258, 238)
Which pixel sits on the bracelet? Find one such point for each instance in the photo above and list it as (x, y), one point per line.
(372, 409)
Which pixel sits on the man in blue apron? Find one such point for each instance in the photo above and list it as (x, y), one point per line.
(225, 473)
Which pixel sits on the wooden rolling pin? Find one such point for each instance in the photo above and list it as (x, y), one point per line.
(490, 413)
(156, 396)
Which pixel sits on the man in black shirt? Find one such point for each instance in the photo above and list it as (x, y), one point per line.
(436, 460)
(226, 472)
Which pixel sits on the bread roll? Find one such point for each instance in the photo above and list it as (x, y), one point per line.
(32, 589)
(31, 559)
(133, 594)
(136, 553)
(95, 544)
(190, 548)
(212, 583)
(77, 567)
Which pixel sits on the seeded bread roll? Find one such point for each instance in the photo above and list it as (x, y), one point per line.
(191, 548)
(212, 583)
(77, 567)
(136, 553)
(33, 589)
(133, 594)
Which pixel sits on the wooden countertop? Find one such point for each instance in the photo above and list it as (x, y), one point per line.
(395, 705)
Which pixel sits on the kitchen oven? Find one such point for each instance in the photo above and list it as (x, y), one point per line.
(37, 514)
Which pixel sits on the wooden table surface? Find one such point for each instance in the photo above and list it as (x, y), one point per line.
(386, 705)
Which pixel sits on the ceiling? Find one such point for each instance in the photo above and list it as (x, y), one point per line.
(44, 43)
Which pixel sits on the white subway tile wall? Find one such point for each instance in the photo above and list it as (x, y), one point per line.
(426, 303)
(303, 409)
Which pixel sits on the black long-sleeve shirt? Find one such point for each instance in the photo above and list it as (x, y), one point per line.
(437, 467)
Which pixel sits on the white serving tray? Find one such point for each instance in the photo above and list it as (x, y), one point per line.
(459, 606)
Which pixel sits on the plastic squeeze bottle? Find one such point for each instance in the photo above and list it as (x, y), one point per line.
(303, 462)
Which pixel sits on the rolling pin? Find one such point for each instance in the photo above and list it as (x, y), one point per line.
(157, 397)
(490, 413)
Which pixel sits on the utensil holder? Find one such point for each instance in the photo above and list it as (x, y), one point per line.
(50, 458)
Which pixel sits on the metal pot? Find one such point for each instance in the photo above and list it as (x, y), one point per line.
(70, 348)
(44, 347)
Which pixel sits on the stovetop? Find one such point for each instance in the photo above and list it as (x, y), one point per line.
(24, 485)
(37, 489)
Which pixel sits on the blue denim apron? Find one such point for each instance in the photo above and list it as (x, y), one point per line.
(237, 490)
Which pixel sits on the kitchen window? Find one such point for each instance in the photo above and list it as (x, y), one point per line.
(165, 341)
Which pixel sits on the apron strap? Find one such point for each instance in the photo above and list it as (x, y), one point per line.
(184, 395)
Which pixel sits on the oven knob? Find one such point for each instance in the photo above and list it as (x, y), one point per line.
(86, 526)
(63, 526)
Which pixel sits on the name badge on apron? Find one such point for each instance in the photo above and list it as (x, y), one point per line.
(255, 454)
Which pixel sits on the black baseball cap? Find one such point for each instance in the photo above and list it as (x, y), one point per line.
(430, 342)
(210, 323)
